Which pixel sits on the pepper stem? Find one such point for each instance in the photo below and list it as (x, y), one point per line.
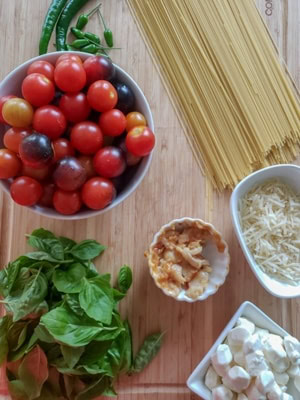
(101, 18)
(94, 10)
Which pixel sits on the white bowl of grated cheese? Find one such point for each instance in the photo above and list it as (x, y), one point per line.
(265, 210)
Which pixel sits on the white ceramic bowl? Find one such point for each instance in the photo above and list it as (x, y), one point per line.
(290, 174)
(11, 84)
(219, 262)
(248, 310)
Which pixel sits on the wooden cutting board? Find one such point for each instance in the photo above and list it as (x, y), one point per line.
(174, 187)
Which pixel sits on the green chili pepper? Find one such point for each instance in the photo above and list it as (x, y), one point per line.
(91, 48)
(108, 35)
(52, 15)
(69, 47)
(72, 7)
(79, 43)
(92, 37)
(83, 19)
(77, 33)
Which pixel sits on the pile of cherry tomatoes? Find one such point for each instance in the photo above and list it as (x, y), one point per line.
(74, 136)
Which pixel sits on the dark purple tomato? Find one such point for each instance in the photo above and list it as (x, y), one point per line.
(36, 150)
(69, 174)
(98, 68)
(126, 97)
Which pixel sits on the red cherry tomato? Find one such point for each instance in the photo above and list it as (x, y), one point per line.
(67, 203)
(98, 193)
(42, 67)
(47, 198)
(2, 101)
(14, 136)
(131, 159)
(86, 137)
(10, 164)
(87, 163)
(109, 162)
(112, 122)
(70, 76)
(62, 148)
(49, 120)
(98, 67)
(67, 56)
(75, 106)
(36, 173)
(38, 90)
(140, 141)
(102, 96)
(26, 191)
(134, 119)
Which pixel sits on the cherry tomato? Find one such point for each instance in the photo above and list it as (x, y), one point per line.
(67, 203)
(36, 150)
(2, 101)
(70, 76)
(87, 163)
(86, 137)
(98, 193)
(49, 120)
(102, 96)
(14, 136)
(42, 67)
(47, 198)
(62, 148)
(17, 112)
(109, 162)
(36, 173)
(75, 106)
(97, 68)
(134, 119)
(38, 90)
(140, 141)
(69, 174)
(67, 56)
(10, 164)
(112, 122)
(26, 191)
(131, 159)
(126, 97)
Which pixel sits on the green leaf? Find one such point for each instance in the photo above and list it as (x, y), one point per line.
(73, 302)
(147, 351)
(5, 323)
(43, 334)
(16, 335)
(95, 389)
(53, 351)
(71, 354)
(96, 299)
(33, 372)
(110, 392)
(53, 381)
(3, 283)
(125, 341)
(19, 285)
(69, 280)
(67, 243)
(94, 352)
(87, 250)
(124, 279)
(67, 327)
(17, 390)
(43, 256)
(47, 242)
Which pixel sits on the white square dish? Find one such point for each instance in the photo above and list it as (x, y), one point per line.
(289, 174)
(247, 309)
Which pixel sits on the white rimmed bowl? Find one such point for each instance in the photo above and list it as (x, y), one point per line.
(219, 262)
(11, 84)
(248, 310)
(289, 174)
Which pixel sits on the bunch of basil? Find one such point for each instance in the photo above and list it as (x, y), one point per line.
(62, 335)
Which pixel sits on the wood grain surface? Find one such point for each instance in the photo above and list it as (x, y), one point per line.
(173, 188)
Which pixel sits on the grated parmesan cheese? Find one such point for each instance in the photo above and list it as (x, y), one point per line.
(270, 220)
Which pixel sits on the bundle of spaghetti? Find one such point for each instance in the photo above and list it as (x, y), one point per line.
(225, 79)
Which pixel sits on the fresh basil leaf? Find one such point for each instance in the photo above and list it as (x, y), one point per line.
(87, 250)
(41, 233)
(17, 390)
(69, 280)
(43, 265)
(16, 335)
(147, 351)
(43, 334)
(42, 256)
(94, 352)
(67, 327)
(95, 389)
(72, 371)
(3, 283)
(67, 243)
(71, 354)
(110, 392)
(19, 285)
(53, 351)
(125, 341)
(32, 341)
(12, 271)
(46, 241)
(33, 372)
(5, 323)
(73, 302)
(124, 279)
(118, 296)
(96, 299)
